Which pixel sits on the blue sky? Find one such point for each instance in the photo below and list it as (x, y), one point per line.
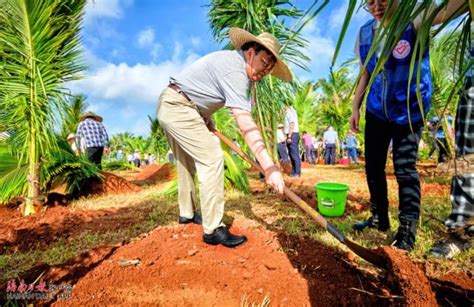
(131, 47)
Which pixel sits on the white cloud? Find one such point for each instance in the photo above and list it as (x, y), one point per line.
(196, 41)
(146, 38)
(136, 84)
(105, 8)
(320, 51)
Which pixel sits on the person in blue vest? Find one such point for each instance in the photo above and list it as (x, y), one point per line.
(391, 114)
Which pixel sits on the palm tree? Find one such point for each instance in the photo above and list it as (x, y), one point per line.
(159, 143)
(335, 102)
(39, 52)
(258, 16)
(77, 106)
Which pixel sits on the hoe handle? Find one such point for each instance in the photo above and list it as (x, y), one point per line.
(361, 251)
(290, 194)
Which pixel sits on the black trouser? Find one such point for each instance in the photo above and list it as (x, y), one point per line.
(94, 154)
(330, 157)
(378, 134)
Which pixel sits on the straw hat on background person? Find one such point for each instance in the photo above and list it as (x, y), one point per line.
(280, 126)
(92, 115)
(239, 37)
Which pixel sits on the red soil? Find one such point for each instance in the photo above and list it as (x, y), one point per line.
(156, 173)
(110, 184)
(413, 283)
(177, 268)
(18, 233)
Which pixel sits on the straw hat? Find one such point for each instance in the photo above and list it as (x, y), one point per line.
(92, 115)
(238, 37)
(71, 136)
(280, 126)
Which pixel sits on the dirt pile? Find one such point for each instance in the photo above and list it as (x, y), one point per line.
(413, 283)
(110, 184)
(454, 289)
(177, 268)
(156, 173)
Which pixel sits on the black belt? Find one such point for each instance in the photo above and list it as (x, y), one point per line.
(178, 89)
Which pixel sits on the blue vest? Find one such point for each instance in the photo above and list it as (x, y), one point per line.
(387, 98)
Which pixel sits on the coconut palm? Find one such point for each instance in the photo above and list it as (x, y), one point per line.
(159, 143)
(334, 105)
(257, 16)
(76, 106)
(39, 52)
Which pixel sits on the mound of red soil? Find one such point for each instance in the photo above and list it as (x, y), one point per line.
(110, 184)
(455, 289)
(413, 283)
(156, 173)
(176, 268)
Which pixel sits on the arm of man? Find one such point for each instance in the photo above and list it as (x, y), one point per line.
(358, 97)
(254, 140)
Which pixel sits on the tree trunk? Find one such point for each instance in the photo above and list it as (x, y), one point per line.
(33, 181)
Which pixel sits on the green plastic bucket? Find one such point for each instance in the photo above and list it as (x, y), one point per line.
(332, 198)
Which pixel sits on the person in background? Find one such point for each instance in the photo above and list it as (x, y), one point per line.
(330, 141)
(308, 146)
(440, 137)
(292, 132)
(130, 158)
(119, 155)
(351, 145)
(91, 131)
(282, 148)
(137, 158)
(146, 156)
(392, 115)
(170, 156)
(71, 139)
(314, 149)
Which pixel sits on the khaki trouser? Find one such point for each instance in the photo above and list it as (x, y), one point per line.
(196, 149)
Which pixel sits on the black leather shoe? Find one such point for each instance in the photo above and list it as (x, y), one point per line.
(196, 219)
(372, 222)
(222, 236)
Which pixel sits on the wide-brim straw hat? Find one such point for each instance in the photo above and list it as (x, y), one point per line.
(91, 115)
(238, 37)
(71, 136)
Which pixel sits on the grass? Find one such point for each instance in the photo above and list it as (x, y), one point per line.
(262, 209)
(13, 264)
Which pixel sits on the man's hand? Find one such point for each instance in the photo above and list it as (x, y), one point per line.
(275, 179)
(288, 140)
(354, 120)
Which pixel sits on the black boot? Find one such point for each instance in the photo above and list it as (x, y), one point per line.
(405, 238)
(375, 221)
